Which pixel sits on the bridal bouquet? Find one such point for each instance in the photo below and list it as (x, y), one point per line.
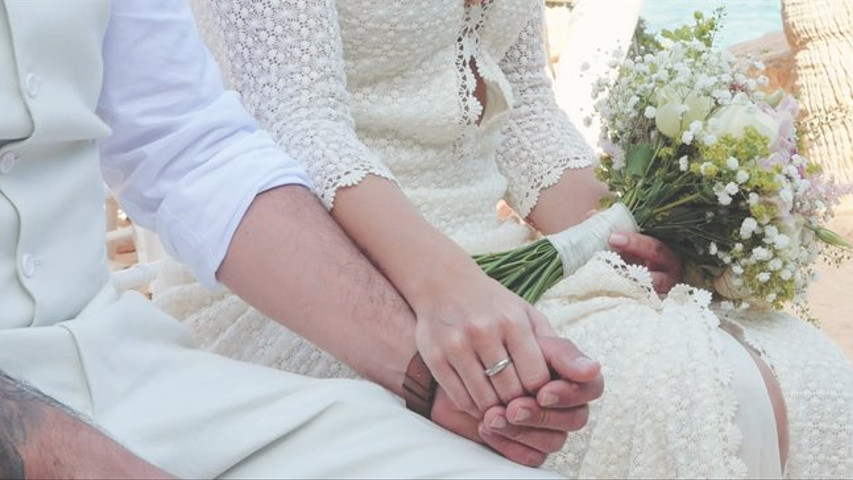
(707, 162)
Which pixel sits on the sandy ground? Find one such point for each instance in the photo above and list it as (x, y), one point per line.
(831, 296)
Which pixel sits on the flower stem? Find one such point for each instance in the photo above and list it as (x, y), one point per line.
(676, 203)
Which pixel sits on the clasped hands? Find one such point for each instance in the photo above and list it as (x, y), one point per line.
(525, 411)
(531, 426)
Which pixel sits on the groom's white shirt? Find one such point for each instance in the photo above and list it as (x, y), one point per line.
(171, 117)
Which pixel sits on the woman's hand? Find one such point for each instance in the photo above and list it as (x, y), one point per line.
(468, 322)
(662, 262)
(529, 428)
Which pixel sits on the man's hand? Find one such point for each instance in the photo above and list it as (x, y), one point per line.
(528, 429)
(662, 262)
(525, 445)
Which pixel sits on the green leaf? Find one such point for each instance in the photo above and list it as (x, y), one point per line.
(638, 158)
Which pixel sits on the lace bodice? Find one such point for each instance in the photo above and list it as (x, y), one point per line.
(358, 87)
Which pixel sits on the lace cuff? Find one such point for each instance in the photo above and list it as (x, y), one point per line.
(540, 142)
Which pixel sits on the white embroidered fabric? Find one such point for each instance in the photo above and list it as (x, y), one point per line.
(358, 87)
(352, 89)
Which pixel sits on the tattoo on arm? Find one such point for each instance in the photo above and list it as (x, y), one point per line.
(21, 410)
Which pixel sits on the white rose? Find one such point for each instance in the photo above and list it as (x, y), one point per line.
(676, 113)
(668, 119)
(733, 119)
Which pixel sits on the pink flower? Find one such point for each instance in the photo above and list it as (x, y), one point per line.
(615, 152)
(789, 105)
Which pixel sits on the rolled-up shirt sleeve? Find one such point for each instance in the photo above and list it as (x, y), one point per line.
(185, 158)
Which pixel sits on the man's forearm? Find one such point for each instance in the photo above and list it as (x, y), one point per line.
(40, 438)
(290, 260)
(17, 414)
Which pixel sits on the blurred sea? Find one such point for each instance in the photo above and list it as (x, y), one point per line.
(744, 20)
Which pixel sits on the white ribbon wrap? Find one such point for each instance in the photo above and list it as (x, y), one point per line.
(576, 245)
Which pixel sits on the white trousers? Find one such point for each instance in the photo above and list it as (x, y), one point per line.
(135, 373)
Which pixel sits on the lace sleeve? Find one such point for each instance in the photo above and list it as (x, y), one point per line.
(286, 59)
(540, 142)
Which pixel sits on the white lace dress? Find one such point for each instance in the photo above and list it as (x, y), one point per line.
(358, 87)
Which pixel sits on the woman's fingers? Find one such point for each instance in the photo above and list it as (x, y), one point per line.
(445, 375)
(527, 357)
(469, 368)
(484, 342)
(505, 382)
(653, 254)
(525, 369)
(663, 282)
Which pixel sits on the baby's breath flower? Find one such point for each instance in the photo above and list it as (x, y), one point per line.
(740, 98)
(753, 199)
(763, 277)
(742, 177)
(696, 126)
(683, 163)
(650, 112)
(762, 254)
(687, 137)
(732, 163)
(708, 169)
(781, 241)
(732, 188)
(747, 228)
(712, 248)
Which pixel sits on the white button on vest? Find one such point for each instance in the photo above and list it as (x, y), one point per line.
(7, 162)
(33, 84)
(28, 265)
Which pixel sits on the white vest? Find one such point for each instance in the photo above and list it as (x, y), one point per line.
(52, 255)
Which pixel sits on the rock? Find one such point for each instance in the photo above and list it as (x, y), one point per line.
(821, 35)
(773, 50)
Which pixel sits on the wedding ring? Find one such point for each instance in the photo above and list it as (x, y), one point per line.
(497, 368)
